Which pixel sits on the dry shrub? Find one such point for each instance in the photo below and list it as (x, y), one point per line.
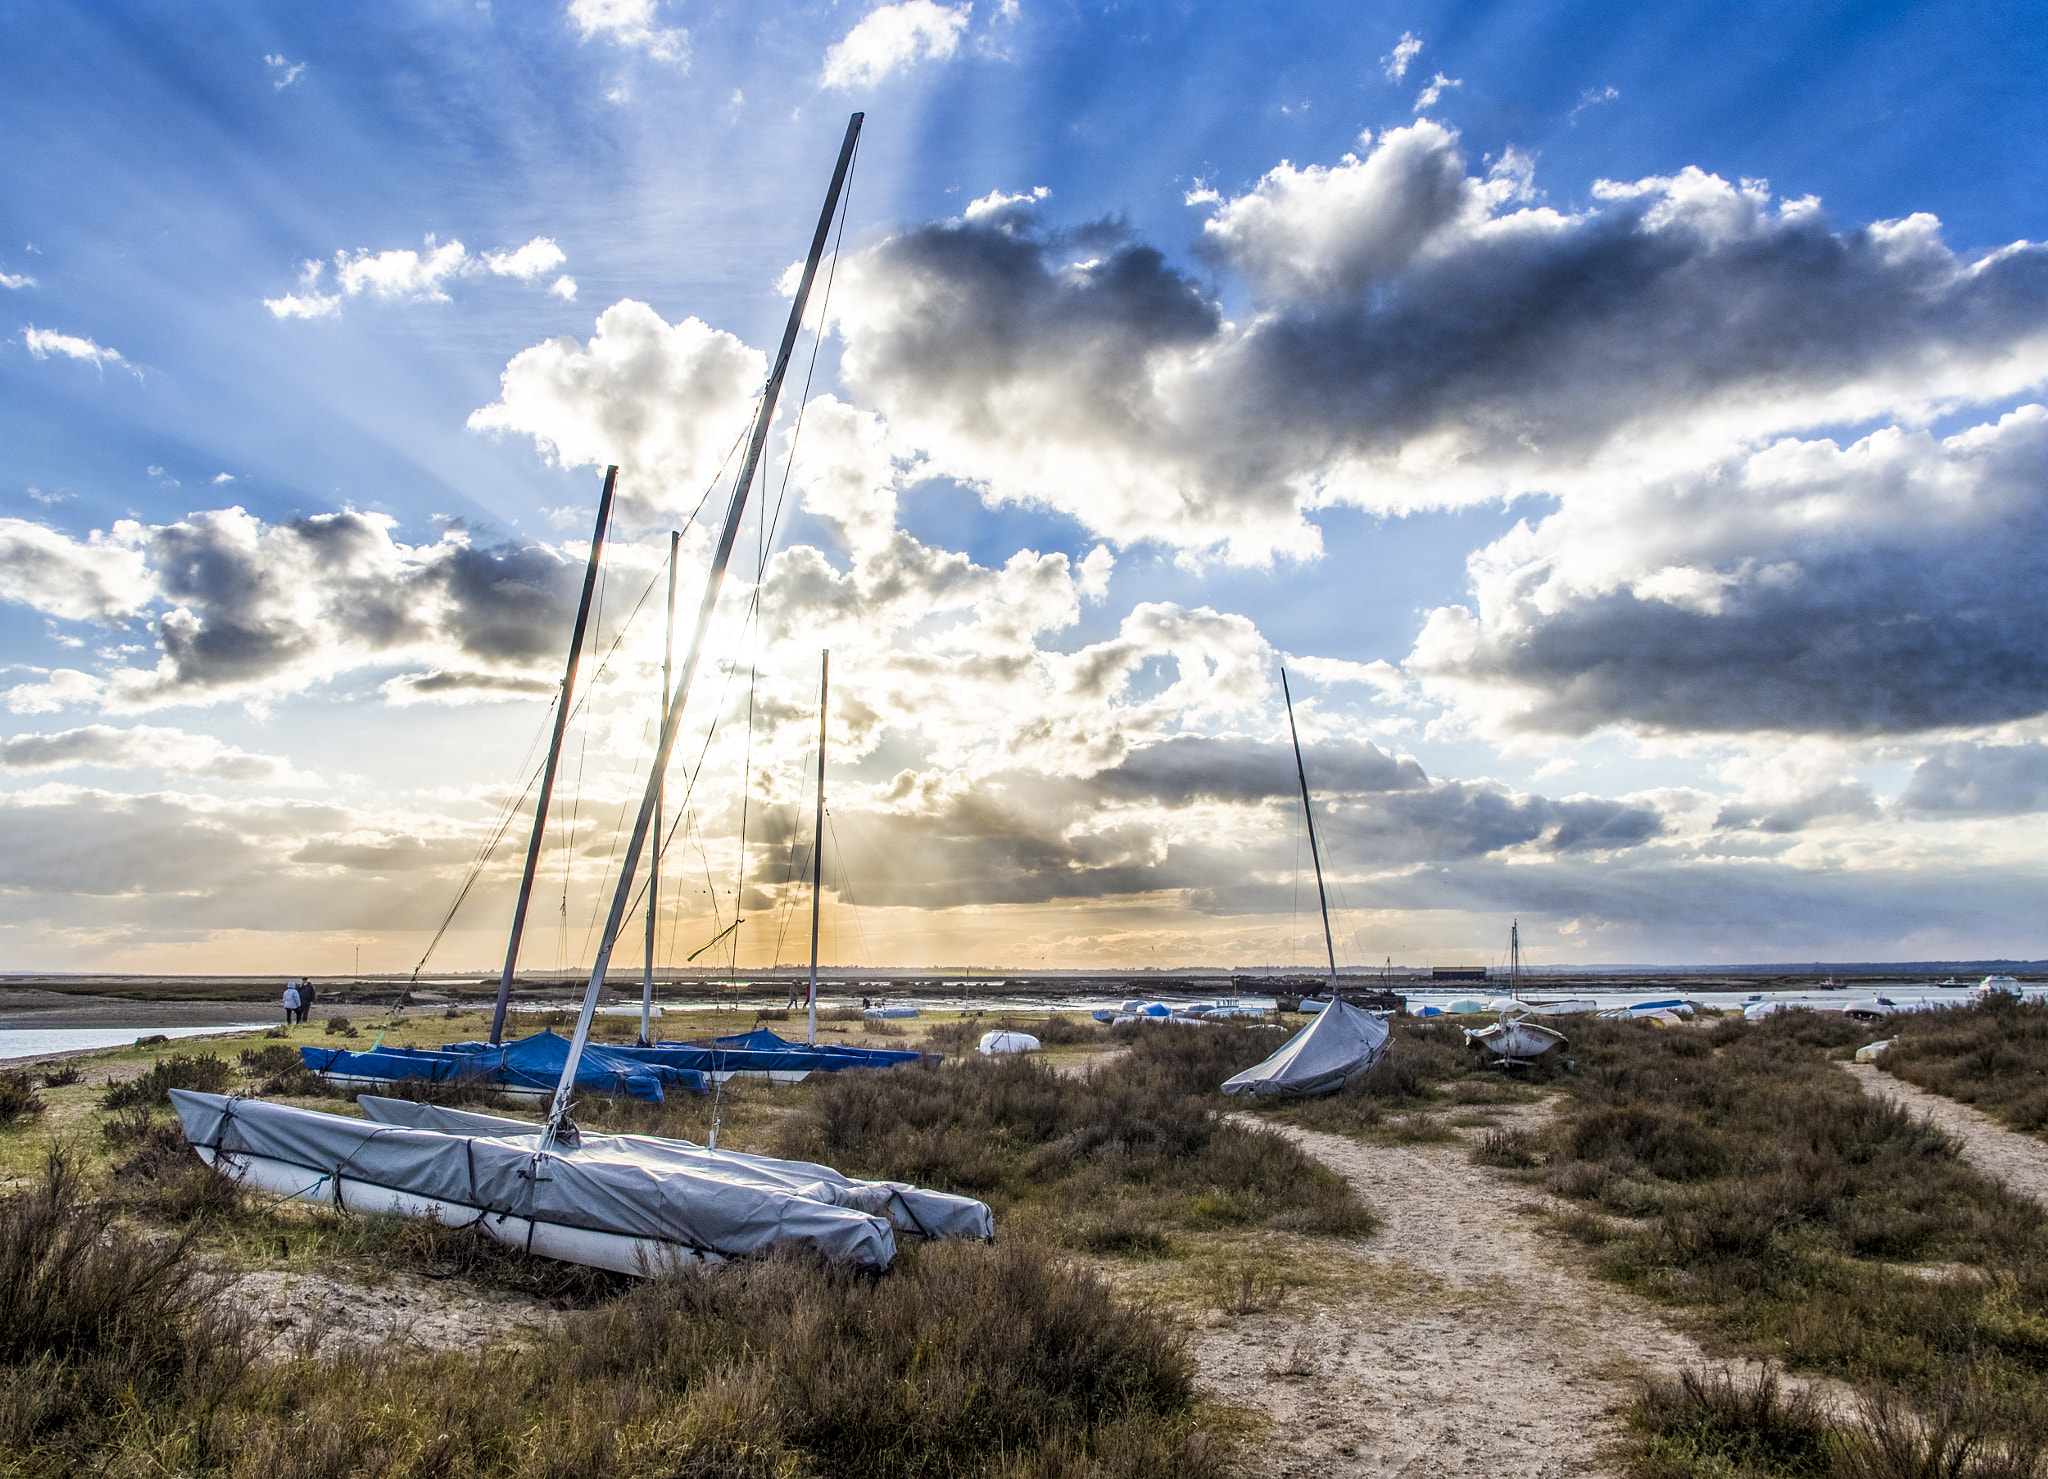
(18, 1098)
(260, 1062)
(1965, 1431)
(206, 1072)
(1511, 1150)
(1711, 1423)
(166, 1181)
(101, 1326)
(64, 1077)
(1146, 1127)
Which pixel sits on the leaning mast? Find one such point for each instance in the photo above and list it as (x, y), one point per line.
(714, 580)
(547, 777)
(1315, 855)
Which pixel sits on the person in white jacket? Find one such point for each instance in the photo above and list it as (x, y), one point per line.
(291, 1002)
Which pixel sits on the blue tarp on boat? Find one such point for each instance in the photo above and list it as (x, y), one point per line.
(762, 1040)
(530, 1064)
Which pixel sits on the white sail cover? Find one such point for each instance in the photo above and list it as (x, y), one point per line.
(1342, 1043)
(933, 1214)
(604, 1185)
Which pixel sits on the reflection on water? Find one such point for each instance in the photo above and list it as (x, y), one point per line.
(34, 1041)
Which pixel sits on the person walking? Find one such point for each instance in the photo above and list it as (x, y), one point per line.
(291, 1002)
(307, 996)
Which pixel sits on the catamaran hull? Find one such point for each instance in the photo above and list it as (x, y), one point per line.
(358, 1083)
(620, 1254)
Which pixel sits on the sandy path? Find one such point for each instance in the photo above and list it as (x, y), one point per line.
(2020, 1161)
(1483, 1350)
(314, 1314)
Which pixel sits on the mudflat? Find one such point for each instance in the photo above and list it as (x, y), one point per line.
(26, 1008)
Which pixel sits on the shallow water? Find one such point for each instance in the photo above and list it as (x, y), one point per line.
(33, 1042)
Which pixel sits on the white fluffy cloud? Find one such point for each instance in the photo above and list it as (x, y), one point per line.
(1397, 61)
(891, 37)
(15, 281)
(103, 578)
(42, 343)
(1419, 336)
(404, 275)
(631, 24)
(662, 401)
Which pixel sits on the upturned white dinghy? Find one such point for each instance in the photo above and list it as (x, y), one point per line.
(1514, 1040)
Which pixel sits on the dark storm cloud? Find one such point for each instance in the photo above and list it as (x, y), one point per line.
(1979, 780)
(1894, 586)
(1411, 330)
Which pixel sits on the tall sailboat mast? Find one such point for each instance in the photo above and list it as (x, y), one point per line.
(1315, 853)
(547, 776)
(713, 581)
(1515, 959)
(818, 843)
(668, 647)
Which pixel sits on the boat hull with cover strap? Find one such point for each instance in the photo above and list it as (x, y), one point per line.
(529, 1068)
(1341, 1044)
(931, 1214)
(603, 1202)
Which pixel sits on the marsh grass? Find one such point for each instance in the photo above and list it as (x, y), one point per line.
(120, 1356)
(1736, 1171)
(1117, 1156)
(206, 1072)
(18, 1098)
(1993, 1056)
(1702, 1423)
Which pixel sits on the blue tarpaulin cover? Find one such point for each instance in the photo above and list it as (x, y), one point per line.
(528, 1063)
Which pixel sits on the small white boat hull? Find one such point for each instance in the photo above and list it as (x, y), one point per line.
(1513, 1040)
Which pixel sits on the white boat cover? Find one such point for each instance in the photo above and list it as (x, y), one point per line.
(933, 1214)
(605, 1184)
(1514, 1037)
(1008, 1042)
(1342, 1043)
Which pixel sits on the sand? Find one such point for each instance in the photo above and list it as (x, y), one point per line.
(1484, 1347)
(2019, 1161)
(300, 1314)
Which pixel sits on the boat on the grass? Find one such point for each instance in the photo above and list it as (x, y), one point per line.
(931, 1214)
(1514, 1040)
(1673, 1004)
(888, 1014)
(1343, 1043)
(993, 1043)
(631, 1204)
(527, 1068)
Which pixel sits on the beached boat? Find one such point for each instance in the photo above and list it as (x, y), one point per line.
(617, 1202)
(1344, 1042)
(1514, 1040)
(632, 1204)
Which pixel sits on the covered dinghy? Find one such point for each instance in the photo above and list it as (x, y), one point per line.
(603, 1201)
(1342, 1043)
(528, 1068)
(931, 1214)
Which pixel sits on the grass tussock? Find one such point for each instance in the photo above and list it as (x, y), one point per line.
(1119, 1155)
(1714, 1423)
(18, 1098)
(206, 1072)
(120, 1356)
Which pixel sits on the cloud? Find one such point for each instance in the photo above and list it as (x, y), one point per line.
(16, 281)
(663, 402)
(1416, 337)
(564, 287)
(1438, 84)
(891, 37)
(142, 746)
(631, 24)
(414, 276)
(1405, 51)
(253, 609)
(283, 73)
(529, 261)
(61, 688)
(104, 578)
(1805, 588)
(1592, 97)
(42, 343)
(223, 477)
(1979, 780)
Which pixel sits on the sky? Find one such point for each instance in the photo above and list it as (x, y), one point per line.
(1622, 424)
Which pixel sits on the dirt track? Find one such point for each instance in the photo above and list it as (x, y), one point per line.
(2020, 1161)
(1488, 1350)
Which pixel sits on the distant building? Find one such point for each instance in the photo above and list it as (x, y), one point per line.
(1457, 973)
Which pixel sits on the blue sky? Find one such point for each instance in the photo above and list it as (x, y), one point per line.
(1317, 321)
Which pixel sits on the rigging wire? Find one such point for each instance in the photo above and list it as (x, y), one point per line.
(852, 909)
